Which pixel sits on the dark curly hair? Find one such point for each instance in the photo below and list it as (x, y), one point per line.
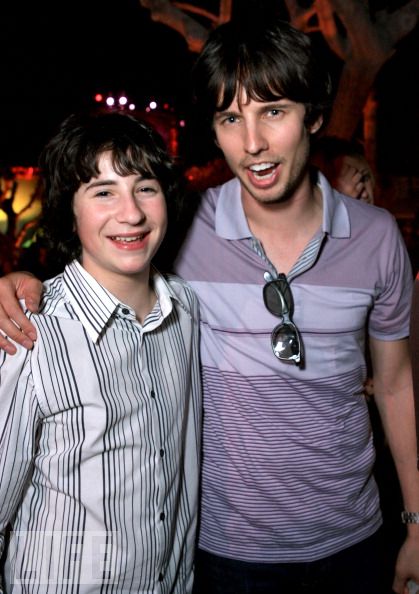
(71, 158)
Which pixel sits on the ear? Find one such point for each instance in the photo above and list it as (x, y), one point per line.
(315, 126)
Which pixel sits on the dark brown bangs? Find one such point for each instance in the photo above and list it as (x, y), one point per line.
(126, 160)
(131, 161)
(253, 80)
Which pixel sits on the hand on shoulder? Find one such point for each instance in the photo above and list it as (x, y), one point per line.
(13, 322)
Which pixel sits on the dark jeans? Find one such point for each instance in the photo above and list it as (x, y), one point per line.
(360, 569)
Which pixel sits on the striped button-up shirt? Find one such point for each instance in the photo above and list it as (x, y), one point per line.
(99, 443)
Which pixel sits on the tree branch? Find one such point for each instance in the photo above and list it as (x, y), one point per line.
(197, 10)
(395, 26)
(163, 11)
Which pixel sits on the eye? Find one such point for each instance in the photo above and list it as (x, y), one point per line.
(228, 119)
(275, 112)
(147, 190)
(148, 187)
(102, 194)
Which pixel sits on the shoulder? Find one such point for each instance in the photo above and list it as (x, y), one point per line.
(53, 297)
(368, 212)
(182, 290)
(344, 210)
(210, 199)
(212, 195)
(211, 207)
(53, 288)
(179, 286)
(373, 223)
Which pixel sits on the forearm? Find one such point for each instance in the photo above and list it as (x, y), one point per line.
(396, 410)
(19, 420)
(398, 422)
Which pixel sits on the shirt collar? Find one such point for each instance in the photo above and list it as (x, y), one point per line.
(335, 213)
(95, 306)
(165, 293)
(231, 222)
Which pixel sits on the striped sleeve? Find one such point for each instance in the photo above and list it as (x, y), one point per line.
(19, 420)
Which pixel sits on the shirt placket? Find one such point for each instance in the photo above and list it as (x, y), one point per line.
(159, 512)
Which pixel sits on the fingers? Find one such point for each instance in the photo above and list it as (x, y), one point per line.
(6, 345)
(25, 286)
(31, 299)
(20, 330)
(351, 181)
(369, 387)
(348, 180)
(358, 184)
(14, 325)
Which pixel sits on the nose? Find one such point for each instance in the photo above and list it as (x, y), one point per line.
(129, 210)
(254, 140)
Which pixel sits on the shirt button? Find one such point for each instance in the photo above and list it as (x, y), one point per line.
(152, 394)
(162, 516)
(162, 452)
(161, 576)
(125, 311)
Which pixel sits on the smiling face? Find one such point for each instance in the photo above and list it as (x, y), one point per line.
(121, 222)
(266, 145)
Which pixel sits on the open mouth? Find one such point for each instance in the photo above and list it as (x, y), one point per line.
(263, 170)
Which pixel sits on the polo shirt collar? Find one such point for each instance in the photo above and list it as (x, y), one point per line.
(231, 222)
(335, 213)
(95, 306)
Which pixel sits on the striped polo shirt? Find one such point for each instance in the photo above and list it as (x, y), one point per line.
(99, 443)
(288, 451)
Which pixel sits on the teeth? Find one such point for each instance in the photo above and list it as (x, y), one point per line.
(127, 239)
(261, 166)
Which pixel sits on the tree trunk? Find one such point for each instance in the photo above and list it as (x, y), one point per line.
(354, 87)
(370, 131)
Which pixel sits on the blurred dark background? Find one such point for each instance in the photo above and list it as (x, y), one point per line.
(55, 57)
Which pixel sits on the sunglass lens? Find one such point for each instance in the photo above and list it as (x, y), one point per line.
(278, 298)
(286, 342)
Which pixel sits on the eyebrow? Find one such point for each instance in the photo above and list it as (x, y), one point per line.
(222, 114)
(110, 182)
(102, 182)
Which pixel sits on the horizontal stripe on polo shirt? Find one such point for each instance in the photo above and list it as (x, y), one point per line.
(288, 451)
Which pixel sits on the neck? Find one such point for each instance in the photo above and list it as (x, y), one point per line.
(134, 290)
(292, 213)
(285, 228)
(138, 295)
